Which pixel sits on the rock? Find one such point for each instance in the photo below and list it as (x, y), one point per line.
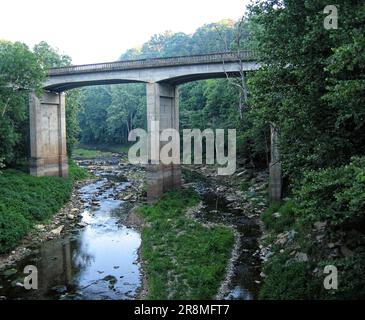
(59, 289)
(242, 173)
(127, 197)
(331, 245)
(320, 225)
(40, 227)
(111, 279)
(346, 251)
(73, 210)
(301, 257)
(282, 238)
(276, 215)
(82, 224)
(262, 275)
(57, 231)
(2, 298)
(108, 278)
(221, 189)
(70, 216)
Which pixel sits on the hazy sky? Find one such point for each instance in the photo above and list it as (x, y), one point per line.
(100, 30)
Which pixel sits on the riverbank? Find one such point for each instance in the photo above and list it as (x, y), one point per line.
(35, 209)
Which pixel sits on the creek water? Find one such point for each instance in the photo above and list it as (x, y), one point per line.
(100, 260)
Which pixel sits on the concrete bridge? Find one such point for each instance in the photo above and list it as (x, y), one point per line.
(161, 75)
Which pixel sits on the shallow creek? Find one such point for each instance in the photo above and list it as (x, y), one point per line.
(100, 259)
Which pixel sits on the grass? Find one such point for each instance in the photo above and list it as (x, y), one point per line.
(98, 151)
(88, 153)
(285, 219)
(183, 258)
(26, 200)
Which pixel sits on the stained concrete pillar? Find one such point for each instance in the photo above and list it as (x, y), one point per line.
(162, 106)
(275, 171)
(48, 135)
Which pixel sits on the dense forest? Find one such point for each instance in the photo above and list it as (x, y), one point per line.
(311, 87)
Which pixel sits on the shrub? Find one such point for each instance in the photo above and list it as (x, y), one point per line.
(13, 226)
(285, 219)
(76, 173)
(287, 280)
(333, 194)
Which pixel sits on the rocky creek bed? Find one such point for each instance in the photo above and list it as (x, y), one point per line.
(90, 249)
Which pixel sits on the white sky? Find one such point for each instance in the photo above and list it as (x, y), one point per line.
(101, 30)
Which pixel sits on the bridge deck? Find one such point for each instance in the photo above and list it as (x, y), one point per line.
(245, 55)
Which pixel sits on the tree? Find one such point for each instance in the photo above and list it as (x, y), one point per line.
(49, 57)
(312, 80)
(20, 73)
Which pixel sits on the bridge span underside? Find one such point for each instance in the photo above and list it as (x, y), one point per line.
(161, 75)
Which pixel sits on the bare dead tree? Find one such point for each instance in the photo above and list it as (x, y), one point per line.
(240, 81)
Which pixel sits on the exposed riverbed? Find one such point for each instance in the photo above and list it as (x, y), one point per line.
(98, 258)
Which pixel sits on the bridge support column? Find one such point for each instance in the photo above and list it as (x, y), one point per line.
(48, 135)
(162, 106)
(275, 171)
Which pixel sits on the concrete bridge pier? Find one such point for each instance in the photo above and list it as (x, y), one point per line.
(162, 106)
(275, 171)
(48, 135)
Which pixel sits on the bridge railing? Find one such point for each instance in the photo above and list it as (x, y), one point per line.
(244, 55)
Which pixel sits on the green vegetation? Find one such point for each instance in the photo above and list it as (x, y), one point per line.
(312, 89)
(89, 153)
(279, 217)
(77, 173)
(98, 151)
(19, 68)
(336, 195)
(183, 258)
(26, 200)
(333, 197)
(22, 68)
